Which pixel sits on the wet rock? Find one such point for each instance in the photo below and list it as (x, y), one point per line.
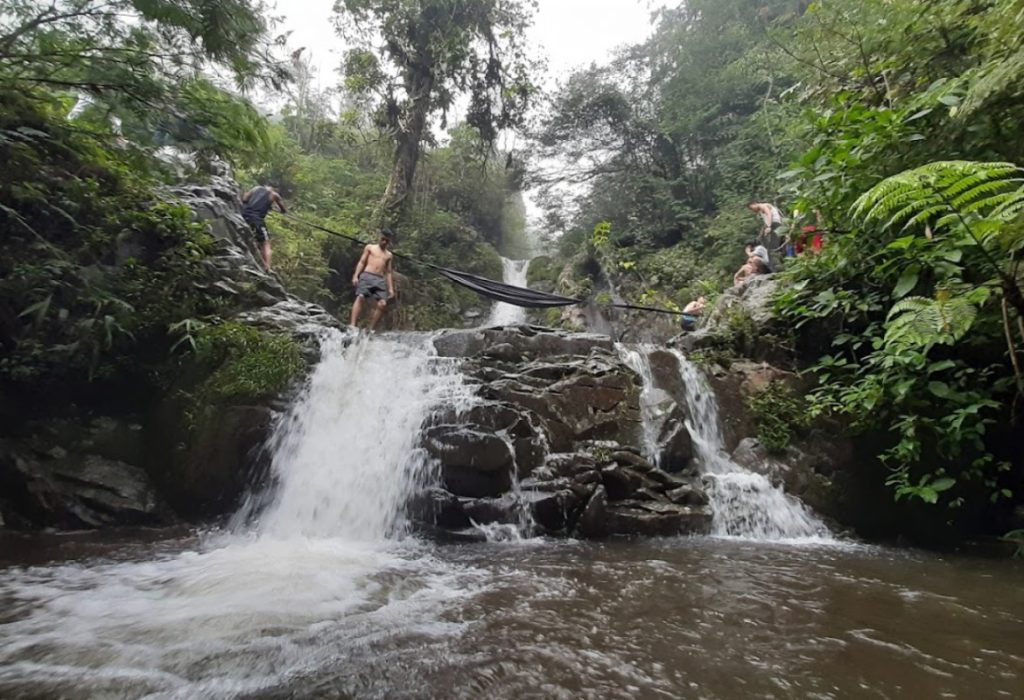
(622, 482)
(203, 458)
(528, 341)
(489, 511)
(474, 462)
(653, 518)
(75, 491)
(552, 511)
(592, 522)
(440, 508)
(688, 495)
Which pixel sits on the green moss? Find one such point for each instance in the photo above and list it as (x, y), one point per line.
(246, 363)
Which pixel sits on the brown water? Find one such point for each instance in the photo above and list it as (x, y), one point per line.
(705, 617)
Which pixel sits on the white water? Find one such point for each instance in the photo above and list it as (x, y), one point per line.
(652, 399)
(502, 314)
(315, 573)
(347, 457)
(744, 504)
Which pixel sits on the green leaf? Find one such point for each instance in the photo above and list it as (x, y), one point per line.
(906, 282)
(940, 389)
(950, 100)
(943, 484)
(902, 243)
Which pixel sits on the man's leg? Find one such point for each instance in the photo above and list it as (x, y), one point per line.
(265, 250)
(378, 311)
(357, 309)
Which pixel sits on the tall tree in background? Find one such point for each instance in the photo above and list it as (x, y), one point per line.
(418, 56)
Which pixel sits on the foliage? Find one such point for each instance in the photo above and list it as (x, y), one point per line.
(92, 268)
(899, 122)
(779, 413)
(419, 55)
(142, 61)
(244, 362)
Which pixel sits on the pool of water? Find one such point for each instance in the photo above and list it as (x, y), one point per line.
(179, 615)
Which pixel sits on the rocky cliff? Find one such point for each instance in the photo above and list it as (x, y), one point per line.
(189, 451)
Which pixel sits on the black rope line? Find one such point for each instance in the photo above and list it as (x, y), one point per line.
(448, 273)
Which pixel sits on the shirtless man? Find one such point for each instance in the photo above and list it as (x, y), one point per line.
(373, 279)
(771, 217)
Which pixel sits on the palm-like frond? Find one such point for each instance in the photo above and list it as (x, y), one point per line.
(944, 193)
(920, 321)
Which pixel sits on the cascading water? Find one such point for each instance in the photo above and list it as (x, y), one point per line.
(347, 457)
(305, 574)
(637, 358)
(745, 504)
(502, 314)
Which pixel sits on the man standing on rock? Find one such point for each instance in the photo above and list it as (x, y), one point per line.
(256, 204)
(373, 278)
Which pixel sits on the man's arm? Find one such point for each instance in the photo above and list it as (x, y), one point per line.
(390, 277)
(361, 265)
(245, 197)
(276, 199)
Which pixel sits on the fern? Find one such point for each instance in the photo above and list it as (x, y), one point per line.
(922, 322)
(945, 193)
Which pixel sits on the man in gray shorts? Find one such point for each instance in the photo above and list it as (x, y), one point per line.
(373, 279)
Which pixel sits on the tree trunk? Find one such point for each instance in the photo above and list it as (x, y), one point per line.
(397, 196)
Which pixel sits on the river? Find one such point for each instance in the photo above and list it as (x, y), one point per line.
(317, 588)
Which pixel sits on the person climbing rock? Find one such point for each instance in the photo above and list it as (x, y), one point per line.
(692, 313)
(256, 204)
(771, 222)
(373, 278)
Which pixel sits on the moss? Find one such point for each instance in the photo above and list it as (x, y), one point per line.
(246, 363)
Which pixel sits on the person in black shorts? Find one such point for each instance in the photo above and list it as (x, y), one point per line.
(256, 204)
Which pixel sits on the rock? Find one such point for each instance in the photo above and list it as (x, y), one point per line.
(552, 511)
(75, 491)
(688, 495)
(592, 522)
(531, 341)
(653, 519)
(488, 511)
(622, 482)
(204, 472)
(438, 507)
(474, 463)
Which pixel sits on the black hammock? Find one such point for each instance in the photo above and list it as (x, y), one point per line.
(498, 291)
(510, 294)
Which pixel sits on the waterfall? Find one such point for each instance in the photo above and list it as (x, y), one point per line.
(346, 459)
(745, 504)
(652, 399)
(512, 272)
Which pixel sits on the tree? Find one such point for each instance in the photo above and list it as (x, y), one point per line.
(417, 56)
(146, 60)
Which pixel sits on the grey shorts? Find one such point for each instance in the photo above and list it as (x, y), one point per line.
(372, 286)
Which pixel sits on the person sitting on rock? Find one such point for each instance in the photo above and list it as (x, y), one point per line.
(373, 278)
(755, 265)
(692, 313)
(256, 204)
(755, 248)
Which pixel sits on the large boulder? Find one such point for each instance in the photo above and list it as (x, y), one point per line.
(474, 462)
(64, 490)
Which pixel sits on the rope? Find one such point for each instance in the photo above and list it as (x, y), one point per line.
(482, 283)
